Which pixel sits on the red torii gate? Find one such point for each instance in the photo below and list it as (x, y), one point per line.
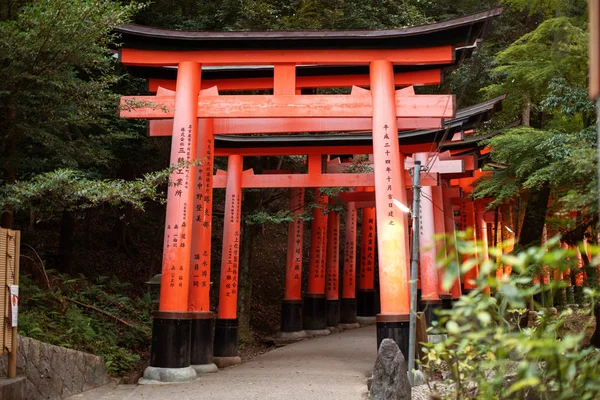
(183, 320)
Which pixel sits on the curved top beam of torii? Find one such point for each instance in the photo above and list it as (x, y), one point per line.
(147, 46)
(456, 32)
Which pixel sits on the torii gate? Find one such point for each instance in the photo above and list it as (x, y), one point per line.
(436, 214)
(181, 325)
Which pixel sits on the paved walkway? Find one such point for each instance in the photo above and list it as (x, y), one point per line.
(330, 367)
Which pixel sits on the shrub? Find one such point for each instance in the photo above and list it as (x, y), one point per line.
(488, 355)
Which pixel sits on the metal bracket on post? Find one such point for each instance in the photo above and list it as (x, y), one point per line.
(414, 269)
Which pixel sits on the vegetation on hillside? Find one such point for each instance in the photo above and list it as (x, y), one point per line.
(496, 349)
(94, 316)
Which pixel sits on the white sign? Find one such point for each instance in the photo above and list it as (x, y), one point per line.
(14, 304)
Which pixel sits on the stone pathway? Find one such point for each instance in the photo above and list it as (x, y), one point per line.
(330, 367)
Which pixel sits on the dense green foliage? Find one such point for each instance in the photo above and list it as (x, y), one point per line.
(282, 14)
(550, 158)
(57, 96)
(70, 190)
(61, 313)
(492, 353)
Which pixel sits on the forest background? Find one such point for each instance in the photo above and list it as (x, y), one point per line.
(87, 189)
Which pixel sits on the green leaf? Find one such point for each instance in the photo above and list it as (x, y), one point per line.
(522, 384)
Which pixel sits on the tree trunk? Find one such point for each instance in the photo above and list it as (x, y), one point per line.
(66, 242)
(535, 217)
(122, 222)
(496, 227)
(7, 217)
(526, 120)
(514, 213)
(123, 234)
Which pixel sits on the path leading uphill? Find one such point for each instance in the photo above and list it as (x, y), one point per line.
(330, 367)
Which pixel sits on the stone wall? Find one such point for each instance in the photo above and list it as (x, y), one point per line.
(55, 372)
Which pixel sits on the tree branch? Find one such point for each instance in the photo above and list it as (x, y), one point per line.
(102, 312)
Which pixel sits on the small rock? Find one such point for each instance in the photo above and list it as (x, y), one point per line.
(419, 378)
(390, 380)
(553, 310)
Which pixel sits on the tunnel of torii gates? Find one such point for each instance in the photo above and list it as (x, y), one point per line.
(189, 71)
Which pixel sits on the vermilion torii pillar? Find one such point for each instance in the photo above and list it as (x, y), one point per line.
(439, 220)
(392, 230)
(314, 308)
(348, 303)
(291, 308)
(172, 326)
(199, 297)
(430, 296)
(450, 229)
(332, 288)
(365, 295)
(467, 210)
(226, 327)
(471, 221)
(482, 233)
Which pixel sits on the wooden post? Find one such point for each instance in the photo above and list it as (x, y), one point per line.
(291, 308)
(348, 303)
(174, 286)
(171, 331)
(226, 327)
(392, 230)
(314, 311)
(199, 295)
(430, 296)
(199, 298)
(482, 234)
(12, 278)
(365, 295)
(439, 221)
(468, 211)
(450, 229)
(332, 289)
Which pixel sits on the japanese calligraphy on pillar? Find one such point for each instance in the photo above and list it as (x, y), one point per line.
(350, 252)
(175, 281)
(318, 252)
(177, 234)
(388, 168)
(233, 250)
(207, 214)
(297, 228)
(388, 176)
(367, 264)
(463, 216)
(333, 225)
(201, 257)
(323, 245)
(231, 240)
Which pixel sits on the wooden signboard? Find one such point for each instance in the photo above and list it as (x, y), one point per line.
(10, 242)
